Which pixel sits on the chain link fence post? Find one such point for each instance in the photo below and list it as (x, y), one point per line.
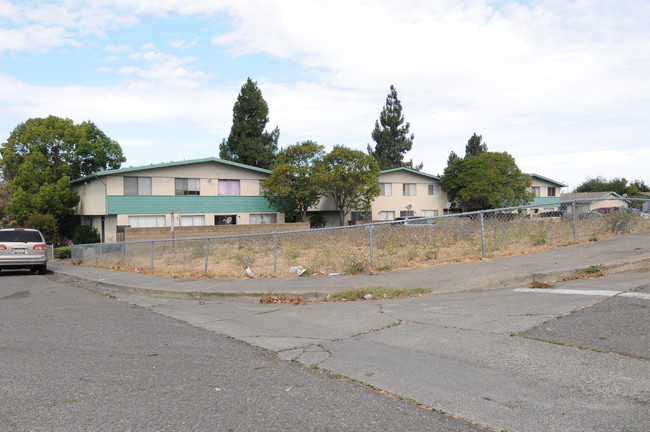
(483, 249)
(153, 245)
(370, 245)
(207, 256)
(275, 253)
(574, 221)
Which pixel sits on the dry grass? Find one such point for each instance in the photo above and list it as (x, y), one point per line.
(347, 251)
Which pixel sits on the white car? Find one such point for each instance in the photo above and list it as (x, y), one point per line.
(23, 248)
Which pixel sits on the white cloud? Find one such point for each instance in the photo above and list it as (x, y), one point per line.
(165, 68)
(547, 81)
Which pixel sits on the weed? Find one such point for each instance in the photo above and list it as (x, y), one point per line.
(411, 254)
(593, 238)
(377, 292)
(357, 266)
(274, 299)
(539, 237)
(594, 270)
(431, 254)
(244, 259)
(540, 284)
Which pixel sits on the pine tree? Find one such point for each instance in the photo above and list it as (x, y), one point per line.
(392, 135)
(248, 143)
(475, 146)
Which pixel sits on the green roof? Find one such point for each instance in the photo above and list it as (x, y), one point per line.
(411, 170)
(157, 204)
(549, 180)
(546, 201)
(170, 164)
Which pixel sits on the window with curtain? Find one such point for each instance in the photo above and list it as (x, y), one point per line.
(386, 215)
(187, 186)
(229, 187)
(263, 218)
(409, 189)
(189, 220)
(429, 213)
(146, 221)
(137, 185)
(386, 189)
(434, 189)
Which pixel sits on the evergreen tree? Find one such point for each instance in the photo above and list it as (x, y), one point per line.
(392, 135)
(248, 143)
(475, 146)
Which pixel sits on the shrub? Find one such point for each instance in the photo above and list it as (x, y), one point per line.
(85, 234)
(46, 224)
(317, 221)
(63, 252)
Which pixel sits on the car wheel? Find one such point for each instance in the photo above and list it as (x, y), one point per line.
(42, 269)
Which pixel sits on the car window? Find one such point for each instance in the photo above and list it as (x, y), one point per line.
(20, 236)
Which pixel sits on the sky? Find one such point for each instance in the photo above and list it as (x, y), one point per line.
(563, 86)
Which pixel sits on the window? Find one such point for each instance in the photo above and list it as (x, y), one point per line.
(187, 186)
(434, 189)
(551, 192)
(137, 185)
(409, 189)
(537, 191)
(386, 215)
(405, 213)
(429, 213)
(225, 220)
(386, 189)
(146, 221)
(263, 218)
(228, 187)
(361, 216)
(187, 220)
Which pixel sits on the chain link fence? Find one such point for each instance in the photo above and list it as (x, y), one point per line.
(376, 246)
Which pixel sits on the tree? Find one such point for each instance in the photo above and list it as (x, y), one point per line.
(392, 135)
(248, 143)
(295, 183)
(475, 146)
(4, 199)
(488, 180)
(36, 190)
(618, 185)
(39, 160)
(72, 150)
(351, 179)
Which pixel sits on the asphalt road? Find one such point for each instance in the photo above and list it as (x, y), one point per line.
(76, 360)
(572, 358)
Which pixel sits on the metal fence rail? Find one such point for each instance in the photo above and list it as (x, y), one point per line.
(376, 246)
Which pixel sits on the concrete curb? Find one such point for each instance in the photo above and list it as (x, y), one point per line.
(111, 287)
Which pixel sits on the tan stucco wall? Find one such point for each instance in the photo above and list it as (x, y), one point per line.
(209, 174)
(92, 198)
(544, 185)
(419, 202)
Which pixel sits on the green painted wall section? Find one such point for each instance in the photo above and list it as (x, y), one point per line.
(145, 204)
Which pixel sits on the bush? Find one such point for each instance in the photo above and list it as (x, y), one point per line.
(317, 221)
(46, 224)
(63, 252)
(85, 234)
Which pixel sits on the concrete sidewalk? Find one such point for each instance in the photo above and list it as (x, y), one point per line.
(627, 252)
